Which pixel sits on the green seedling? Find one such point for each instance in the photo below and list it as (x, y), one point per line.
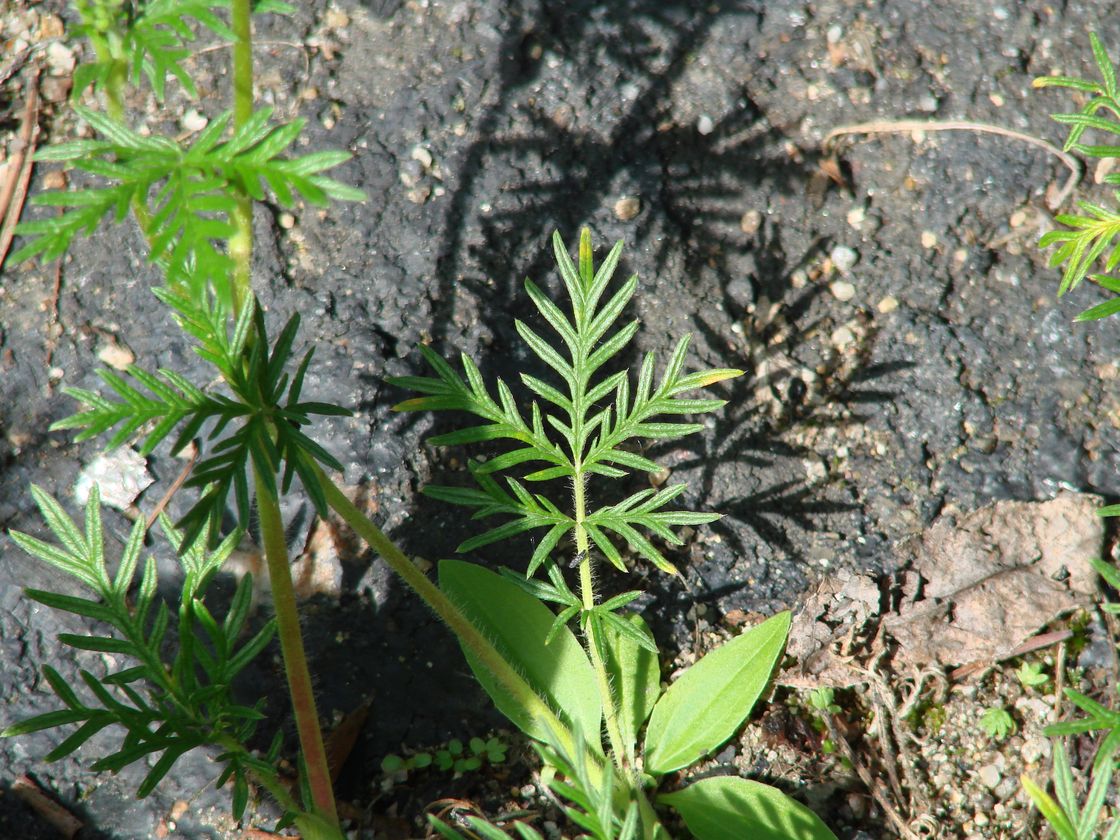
(997, 723)
(823, 700)
(1032, 675)
(584, 425)
(454, 757)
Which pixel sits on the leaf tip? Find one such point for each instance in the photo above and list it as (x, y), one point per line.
(714, 376)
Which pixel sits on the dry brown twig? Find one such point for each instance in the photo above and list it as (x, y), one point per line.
(14, 192)
(907, 126)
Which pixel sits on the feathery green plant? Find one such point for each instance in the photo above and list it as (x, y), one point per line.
(587, 427)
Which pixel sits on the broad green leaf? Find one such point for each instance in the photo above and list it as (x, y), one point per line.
(517, 624)
(635, 676)
(731, 808)
(710, 701)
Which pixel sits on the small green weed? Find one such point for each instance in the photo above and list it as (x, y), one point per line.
(998, 723)
(454, 757)
(1032, 675)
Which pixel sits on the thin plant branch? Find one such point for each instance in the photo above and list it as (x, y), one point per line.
(907, 126)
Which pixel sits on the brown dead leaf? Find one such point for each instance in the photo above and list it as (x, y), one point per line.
(975, 588)
(824, 629)
(992, 578)
(340, 743)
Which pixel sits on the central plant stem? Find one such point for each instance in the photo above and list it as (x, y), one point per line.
(271, 521)
(594, 643)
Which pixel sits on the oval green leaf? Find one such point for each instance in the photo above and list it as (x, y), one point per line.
(731, 808)
(517, 624)
(634, 673)
(705, 706)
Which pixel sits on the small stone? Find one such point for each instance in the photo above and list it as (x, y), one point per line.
(989, 775)
(842, 290)
(1035, 749)
(1103, 169)
(658, 478)
(54, 180)
(997, 99)
(55, 88)
(887, 305)
(856, 217)
(192, 120)
(60, 58)
(286, 221)
(834, 34)
(627, 207)
(750, 222)
(411, 172)
(929, 239)
(120, 475)
(419, 195)
(928, 103)
(116, 355)
(51, 26)
(1017, 218)
(337, 19)
(422, 156)
(705, 125)
(841, 337)
(843, 258)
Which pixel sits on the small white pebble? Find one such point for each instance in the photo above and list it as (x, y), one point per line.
(856, 217)
(750, 222)
(887, 305)
(337, 19)
(843, 258)
(419, 153)
(627, 207)
(842, 290)
(929, 239)
(287, 221)
(705, 125)
(841, 337)
(835, 33)
(989, 775)
(193, 120)
(116, 355)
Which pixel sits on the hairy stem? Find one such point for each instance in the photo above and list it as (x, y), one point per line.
(241, 242)
(452, 616)
(623, 752)
(291, 645)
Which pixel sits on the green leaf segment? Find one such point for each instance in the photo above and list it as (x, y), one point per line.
(187, 195)
(165, 710)
(593, 434)
(1090, 239)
